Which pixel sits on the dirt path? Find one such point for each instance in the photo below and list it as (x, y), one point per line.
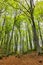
(28, 59)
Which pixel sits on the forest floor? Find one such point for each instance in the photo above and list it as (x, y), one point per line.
(27, 59)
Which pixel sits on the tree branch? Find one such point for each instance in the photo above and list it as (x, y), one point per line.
(23, 6)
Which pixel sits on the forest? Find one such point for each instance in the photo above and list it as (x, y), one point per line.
(21, 31)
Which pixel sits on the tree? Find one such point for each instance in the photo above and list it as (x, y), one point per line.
(31, 12)
(13, 14)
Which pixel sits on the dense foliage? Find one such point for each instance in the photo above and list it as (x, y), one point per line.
(21, 26)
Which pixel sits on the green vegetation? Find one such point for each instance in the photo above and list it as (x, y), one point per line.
(20, 26)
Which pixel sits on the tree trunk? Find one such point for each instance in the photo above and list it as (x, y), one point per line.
(29, 33)
(16, 43)
(20, 41)
(23, 43)
(35, 36)
(2, 31)
(27, 41)
(11, 34)
(40, 33)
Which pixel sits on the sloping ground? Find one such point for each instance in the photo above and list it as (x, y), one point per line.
(28, 59)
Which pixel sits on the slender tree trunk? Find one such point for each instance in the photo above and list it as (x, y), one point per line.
(40, 33)
(29, 33)
(35, 36)
(2, 31)
(8, 35)
(11, 38)
(27, 41)
(16, 43)
(12, 34)
(5, 43)
(20, 41)
(23, 43)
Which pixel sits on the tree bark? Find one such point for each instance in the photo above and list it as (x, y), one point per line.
(35, 36)
(40, 33)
